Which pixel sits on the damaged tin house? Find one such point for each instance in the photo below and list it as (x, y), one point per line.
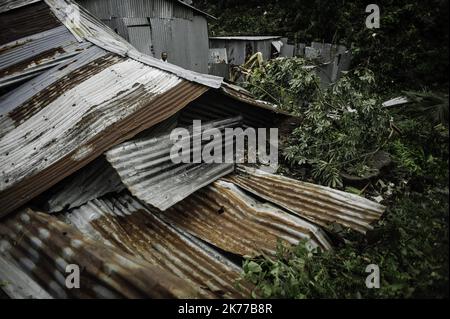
(86, 177)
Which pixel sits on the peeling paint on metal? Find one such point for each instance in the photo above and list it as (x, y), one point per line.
(146, 168)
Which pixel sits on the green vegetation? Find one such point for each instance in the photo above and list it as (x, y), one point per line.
(343, 129)
(410, 50)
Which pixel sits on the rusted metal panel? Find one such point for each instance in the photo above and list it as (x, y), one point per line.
(146, 167)
(92, 61)
(92, 30)
(124, 223)
(91, 182)
(42, 247)
(7, 5)
(70, 132)
(226, 217)
(33, 55)
(322, 205)
(31, 17)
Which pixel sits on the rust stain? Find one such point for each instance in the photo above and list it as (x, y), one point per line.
(138, 232)
(321, 205)
(43, 246)
(224, 216)
(66, 83)
(149, 114)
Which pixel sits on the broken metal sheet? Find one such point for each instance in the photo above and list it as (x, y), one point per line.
(147, 169)
(400, 100)
(84, 65)
(123, 222)
(89, 28)
(17, 284)
(91, 182)
(322, 205)
(7, 5)
(104, 110)
(43, 247)
(33, 55)
(223, 215)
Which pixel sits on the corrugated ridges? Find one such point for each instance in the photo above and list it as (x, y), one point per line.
(30, 56)
(322, 205)
(43, 246)
(123, 222)
(91, 182)
(104, 110)
(146, 168)
(224, 216)
(93, 30)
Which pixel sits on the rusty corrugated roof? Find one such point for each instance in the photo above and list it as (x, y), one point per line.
(319, 204)
(146, 166)
(42, 247)
(225, 216)
(83, 122)
(123, 222)
(92, 181)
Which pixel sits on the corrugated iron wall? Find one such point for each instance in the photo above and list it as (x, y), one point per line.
(236, 48)
(33, 18)
(156, 26)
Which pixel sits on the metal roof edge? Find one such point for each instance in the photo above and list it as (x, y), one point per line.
(196, 9)
(15, 4)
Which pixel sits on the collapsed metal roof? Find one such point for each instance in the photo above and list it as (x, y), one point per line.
(321, 205)
(145, 166)
(87, 93)
(121, 221)
(222, 214)
(41, 246)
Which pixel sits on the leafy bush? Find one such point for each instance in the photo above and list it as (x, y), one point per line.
(288, 83)
(409, 50)
(341, 127)
(408, 245)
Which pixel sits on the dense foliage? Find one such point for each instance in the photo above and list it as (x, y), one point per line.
(341, 129)
(411, 47)
(409, 244)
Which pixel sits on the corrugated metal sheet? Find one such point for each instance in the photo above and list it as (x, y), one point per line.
(42, 247)
(141, 37)
(17, 284)
(174, 29)
(31, 56)
(322, 205)
(121, 221)
(146, 168)
(91, 182)
(88, 62)
(92, 30)
(31, 17)
(198, 44)
(7, 5)
(82, 123)
(226, 217)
